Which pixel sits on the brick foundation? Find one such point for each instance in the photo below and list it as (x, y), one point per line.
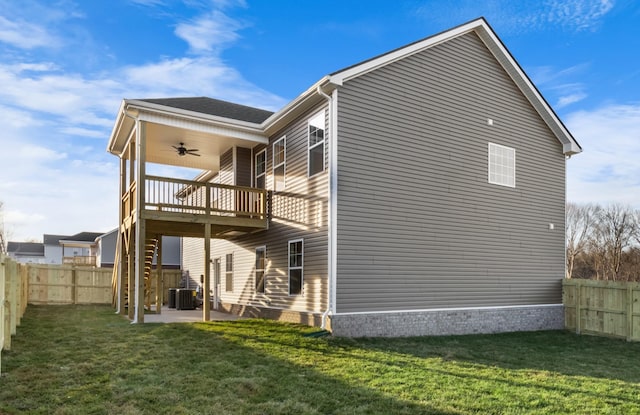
(449, 322)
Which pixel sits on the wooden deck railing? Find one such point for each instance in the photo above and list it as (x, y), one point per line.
(80, 260)
(202, 198)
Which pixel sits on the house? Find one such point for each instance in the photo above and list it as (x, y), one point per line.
(26, 252)
(80, 249)
(419, 192)
(53, 248)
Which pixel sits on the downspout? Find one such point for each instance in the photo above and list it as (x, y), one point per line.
(331, 214)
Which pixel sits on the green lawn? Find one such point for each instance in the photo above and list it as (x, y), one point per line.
(83, 360)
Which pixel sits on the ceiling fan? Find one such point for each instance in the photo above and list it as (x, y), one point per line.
(183, 151)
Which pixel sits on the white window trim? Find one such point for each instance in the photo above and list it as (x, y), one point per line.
(301, 268)
(255, 166)
(321, 114)
(262, 248)
(496, 182)
(284, 162)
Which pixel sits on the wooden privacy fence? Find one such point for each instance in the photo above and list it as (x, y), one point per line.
(13, 300)
(605, 308)
(64, 284)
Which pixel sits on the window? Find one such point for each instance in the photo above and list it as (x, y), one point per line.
(228, 275)
(295, 267)
(261, 170)
(316, 144)
(279, 164)
(502, 165)
(261, 254)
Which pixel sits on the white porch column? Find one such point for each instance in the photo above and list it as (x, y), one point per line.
(140, 222)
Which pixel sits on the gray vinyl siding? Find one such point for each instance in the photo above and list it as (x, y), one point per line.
(243, 166)
(298, 212)
(226, 174)
(193, 259)
(419, 226)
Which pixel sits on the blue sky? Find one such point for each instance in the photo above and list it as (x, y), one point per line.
(66, 65)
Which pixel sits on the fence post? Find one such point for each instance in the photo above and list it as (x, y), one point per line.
(578, 311)
(629, 311)
(74, 285)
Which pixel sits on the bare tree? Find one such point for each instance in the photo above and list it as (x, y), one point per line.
(615, 231)
(580, 221)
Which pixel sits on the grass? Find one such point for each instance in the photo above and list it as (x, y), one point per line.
(86, 360)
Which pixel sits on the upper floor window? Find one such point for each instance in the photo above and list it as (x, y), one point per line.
(316, 144)
(502, 165)
(261, 169)
(279, 162)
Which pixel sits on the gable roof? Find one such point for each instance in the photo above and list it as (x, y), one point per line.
(81, 237)
(256, 124)
(53, 239)
(25, 248)
(499, 51)
(205, 105)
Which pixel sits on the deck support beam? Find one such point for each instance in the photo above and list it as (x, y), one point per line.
(206, 286)
(140, 222)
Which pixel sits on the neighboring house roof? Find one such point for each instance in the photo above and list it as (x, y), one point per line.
(25, 248)
(216, 107)
(234, 120)
(81, 237)
(53, 239)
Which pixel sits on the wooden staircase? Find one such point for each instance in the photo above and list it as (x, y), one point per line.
(150, 246)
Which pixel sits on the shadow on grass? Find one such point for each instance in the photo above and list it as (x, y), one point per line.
(536, 368)
(560, 352)
(74, 359)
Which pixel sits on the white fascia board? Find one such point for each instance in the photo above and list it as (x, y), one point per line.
(497, 48)
(204, 123)
(117, 129)
(299, 104)
(494, 44)
(203, 127)
(340, 77)
(163, 109)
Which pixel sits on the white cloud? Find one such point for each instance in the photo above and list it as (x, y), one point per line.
(608, 169)
(208, 33)
(55, 175)
(207, 76)
(570, 99)
(577, 14)
(25, 35)
(557, 82)
(38, 153)
(521, 16)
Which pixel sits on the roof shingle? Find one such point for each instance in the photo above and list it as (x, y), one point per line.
(215, 107)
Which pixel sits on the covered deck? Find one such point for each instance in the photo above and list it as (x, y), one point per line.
(172, 133)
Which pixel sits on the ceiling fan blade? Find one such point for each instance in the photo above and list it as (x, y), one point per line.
(193, 154)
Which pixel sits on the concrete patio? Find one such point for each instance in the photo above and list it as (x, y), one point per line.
(171, 315)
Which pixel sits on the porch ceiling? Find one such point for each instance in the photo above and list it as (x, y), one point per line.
(161, 139)
(167, 127)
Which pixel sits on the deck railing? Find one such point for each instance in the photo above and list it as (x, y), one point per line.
(89, 260)
(191, 197)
